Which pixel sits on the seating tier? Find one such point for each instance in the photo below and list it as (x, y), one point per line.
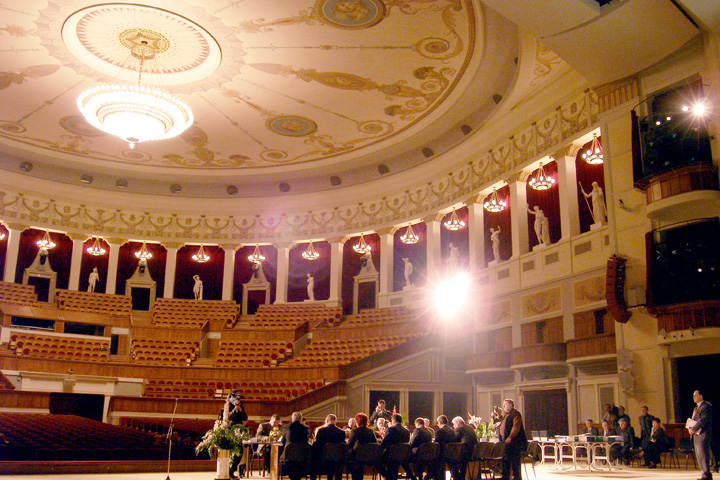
(64, 347)
(102, 303)
(184, 313)
(17, 294)
(293, 315)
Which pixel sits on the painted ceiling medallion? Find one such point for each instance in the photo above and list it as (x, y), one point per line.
(354, 14)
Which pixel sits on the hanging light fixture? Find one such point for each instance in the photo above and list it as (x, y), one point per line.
(45, 242)
(594, 155)
(362, 247)
(143, 252)
(454, 223)
(96, 249)
(135, 113)
(2, 236)
(201, 256)
(310, 253)
(493, 203)
(256, 255)
(540, 180)
(409, 237)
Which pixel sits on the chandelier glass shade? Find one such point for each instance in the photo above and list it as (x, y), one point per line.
(409, 237)
(541, 180)
(45, 242)
(493, 203)
(96, 249)
(454, 223)
(256, 256)
(143, 253)
(594, 154)
(362, 247)
(200, 256)
(310, 253)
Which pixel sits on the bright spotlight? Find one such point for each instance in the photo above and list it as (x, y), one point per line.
(699, 109)
(451, 295)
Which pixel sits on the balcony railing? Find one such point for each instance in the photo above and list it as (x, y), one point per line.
(591, 347)
(534, 354)
(687, 316)
(680, 180)
(488, 361)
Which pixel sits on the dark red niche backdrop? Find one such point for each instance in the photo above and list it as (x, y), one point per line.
(211, 272)
(128, 262)
(319, 269)
(417, 255)
(459, 238)
(351, 266)
(59, 257)
(499, 219)
(91, 261)
(549, 203)
(586, 175)
(244, 271)
(3, 248)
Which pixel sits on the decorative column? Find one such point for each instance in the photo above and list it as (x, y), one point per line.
(75, 260)
(228, 271)
(434, 255)
(170, 267)
(336, 257)
(567, 183)
(476, 233)
(113, 259)
(518, 214)
(283, 270)
(387, 261)
(11, 252)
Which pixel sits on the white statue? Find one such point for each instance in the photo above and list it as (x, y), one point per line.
(310, 287)
(198, 287)
(92, 280)
(542, 225)
(597, 198)
(495, 239)
(408, 271)
(453, 260)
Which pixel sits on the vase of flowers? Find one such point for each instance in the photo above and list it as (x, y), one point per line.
(223, 443)
(483, 431)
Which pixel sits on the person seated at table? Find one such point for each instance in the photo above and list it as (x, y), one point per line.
(659, 442)
(359, 436)
(266, 434)
(294, 432)
(419, 436)
(607, 431)
(380, 429)
(465, 435)
(428, 425)
(351, 425)
(394, 435)
(325, 434)
(590, 429)
(623, 451)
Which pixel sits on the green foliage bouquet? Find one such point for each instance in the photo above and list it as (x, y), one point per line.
(224, 437)
(482, 429)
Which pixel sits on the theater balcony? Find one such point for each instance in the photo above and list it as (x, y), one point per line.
(589, 349)
(538, 355)
(483, 362)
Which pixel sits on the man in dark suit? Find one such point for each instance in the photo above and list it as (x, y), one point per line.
(294, 432)
(590, 429)
(380, 412)
(419, 436)
(623, 452)
(645, 420)
(443, 435)
(264, 431)
(512, 432)
(701, 433)
(328, 433)
(465, 435)
(394, 435)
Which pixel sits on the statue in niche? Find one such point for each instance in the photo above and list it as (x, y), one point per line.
(495, 240)
(597, 199)
(453, 260)
(310, 287)
(542, 225)
(365, 259)
(408, 271)
(142, 265)
(198, 287)
(92, 280)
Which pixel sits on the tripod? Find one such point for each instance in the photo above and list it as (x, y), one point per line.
(169, 435)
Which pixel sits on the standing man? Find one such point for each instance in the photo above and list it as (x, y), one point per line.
(380, 412)
(465, 435)
(295, 432)
(701, 432)
(328, 433)
(645, 426)
(512, 432)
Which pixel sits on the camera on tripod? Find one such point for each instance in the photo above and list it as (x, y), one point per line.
(236, 399)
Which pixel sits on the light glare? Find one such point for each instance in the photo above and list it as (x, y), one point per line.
(451, 295)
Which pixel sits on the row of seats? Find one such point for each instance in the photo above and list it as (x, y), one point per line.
(330, 353)
(145, 350)
(377, 317)
(185, 313)
(57, 346)
(293, 315)
(263, 391)
(17, 294)
(102, 303)
(252, 354)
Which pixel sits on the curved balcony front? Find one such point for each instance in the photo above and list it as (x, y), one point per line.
(538, 355)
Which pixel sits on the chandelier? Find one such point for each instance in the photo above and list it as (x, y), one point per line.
(362, 247)
(143, 253)
(96, 249)
(201, 256)
(256, 255)
(493, 203)
(540, 180)
(594, 155)
(409, 237)
(454, 223)
(135, 113)
(45, 243)
(310, 253)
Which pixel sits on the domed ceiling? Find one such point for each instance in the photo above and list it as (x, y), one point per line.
(307, 94)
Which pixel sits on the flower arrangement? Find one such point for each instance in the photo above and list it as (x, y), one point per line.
(483, 429)
(224, 437)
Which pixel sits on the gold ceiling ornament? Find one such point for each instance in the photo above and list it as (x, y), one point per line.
(310, 253)
(200, 256)
(409, 237)
(256, 256)
(541, 180)
(594, 154)
(96, 249)
(493, 203)
(362, 247)
(143, 253)
(45, 242)
(454, 223)
(135, 113)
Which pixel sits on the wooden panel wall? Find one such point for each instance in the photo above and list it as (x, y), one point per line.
(552, 333)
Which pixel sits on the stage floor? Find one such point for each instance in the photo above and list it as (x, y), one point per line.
(543, 473)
